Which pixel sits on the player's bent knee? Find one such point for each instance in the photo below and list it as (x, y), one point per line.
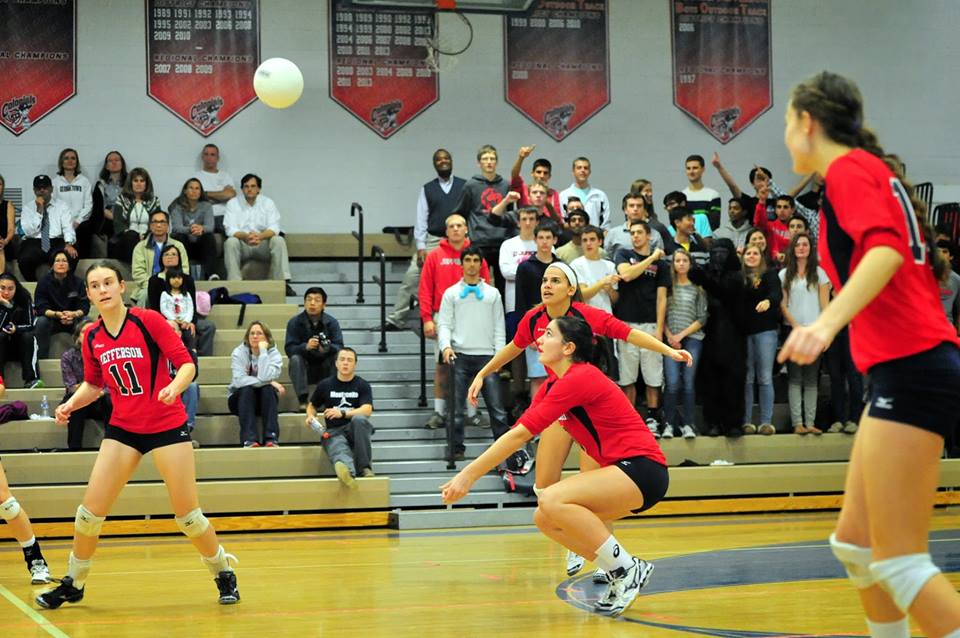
(9, 509)
(87, 523)
(193, 524)
(904, 576)
(856, 560)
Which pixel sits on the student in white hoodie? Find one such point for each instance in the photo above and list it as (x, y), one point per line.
(75, 190)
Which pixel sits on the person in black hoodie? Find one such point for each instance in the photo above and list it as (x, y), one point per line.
(61, 301)
(487, 229)
(722, 370)
(313, 340)
(16, 329)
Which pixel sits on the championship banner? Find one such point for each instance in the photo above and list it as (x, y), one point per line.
(201, 57)
(378, 67)
(38, 60)
(557, 63)
(721, 62)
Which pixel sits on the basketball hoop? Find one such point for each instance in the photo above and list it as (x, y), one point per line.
(452, 34)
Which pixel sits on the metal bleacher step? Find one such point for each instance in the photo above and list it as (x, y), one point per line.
(475, 497)
(326, 270)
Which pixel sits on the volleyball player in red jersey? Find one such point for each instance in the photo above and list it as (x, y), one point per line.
(131, 351)
(876, 249)
(631, 474)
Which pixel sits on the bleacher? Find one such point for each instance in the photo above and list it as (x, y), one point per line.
(295, 487)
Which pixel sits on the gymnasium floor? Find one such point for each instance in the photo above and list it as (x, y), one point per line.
(733, 576)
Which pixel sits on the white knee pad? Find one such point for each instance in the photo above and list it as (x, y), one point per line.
(9, 509)
(856, 560)
(88, 523)
(193, 524)
(904, 576)
(953, 634)
(537, 491)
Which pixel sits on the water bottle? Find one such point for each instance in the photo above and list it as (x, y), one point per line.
(44, 407)
(319, 428)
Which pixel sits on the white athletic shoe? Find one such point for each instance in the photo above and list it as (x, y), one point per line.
(687, 432)
(39, 572)
(574, 563)
(625, 587)
(654, 426)
(667, 432)
(601, 577)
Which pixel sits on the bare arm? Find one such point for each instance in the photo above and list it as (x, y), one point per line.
(661, 310)
(629, 272)
(726, 176)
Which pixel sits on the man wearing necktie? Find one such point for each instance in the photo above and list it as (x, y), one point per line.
(470, 330)
(47, 227)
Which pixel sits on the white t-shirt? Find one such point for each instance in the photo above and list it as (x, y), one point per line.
(513, 252)
(589, 272)
(213, 182)
(77, 195)
(803, 302)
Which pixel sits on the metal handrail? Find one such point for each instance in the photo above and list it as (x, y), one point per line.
(376, 251)
(422, 401)
(356, 210)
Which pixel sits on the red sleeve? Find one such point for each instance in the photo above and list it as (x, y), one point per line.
(553, 401)
(603, 323)
(171, 345)
(516, 184)
(92, 373)
(425, 290)
(760, 217)
(485, 272)
(554, 199)
(523, 336)
(867, 209)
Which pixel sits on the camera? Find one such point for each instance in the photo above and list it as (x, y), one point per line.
(323, 339)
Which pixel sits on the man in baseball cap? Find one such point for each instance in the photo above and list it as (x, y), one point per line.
(47, 227)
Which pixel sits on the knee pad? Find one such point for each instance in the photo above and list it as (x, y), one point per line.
(537, 491)
(856, 560)
(193, 524)
(904, 576)
(88, 523)
(9, 509)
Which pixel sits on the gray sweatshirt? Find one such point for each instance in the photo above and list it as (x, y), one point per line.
(250, 370)
(470, 325)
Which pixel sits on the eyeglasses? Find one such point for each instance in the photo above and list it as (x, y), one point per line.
(162, 222)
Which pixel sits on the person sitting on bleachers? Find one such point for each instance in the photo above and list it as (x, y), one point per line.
(16, 329)
(345, 401)
(255, 390)
(71, 369)
(73, 188)
(113, 176)
(146, 260)
(312, 342)
(205, 330)
(177, 307)
(47, 226)
(192, 223)
(8, 228)
(131, 215)
(950, 284)
(60, 301)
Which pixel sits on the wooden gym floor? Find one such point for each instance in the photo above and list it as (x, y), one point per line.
(735, 576)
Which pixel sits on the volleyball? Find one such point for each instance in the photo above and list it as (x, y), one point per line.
(278, 82)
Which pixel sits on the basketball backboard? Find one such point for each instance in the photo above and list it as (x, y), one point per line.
(465, 6)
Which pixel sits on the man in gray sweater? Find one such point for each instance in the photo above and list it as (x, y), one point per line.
(470, 330)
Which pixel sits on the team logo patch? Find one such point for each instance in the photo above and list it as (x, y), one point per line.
(384, 116)
(204, 113)
(557, 120)
(16, 112)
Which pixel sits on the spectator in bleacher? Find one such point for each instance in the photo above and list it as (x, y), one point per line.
(480, 196)
(777, 231)
(131, 215)
(701, 199)
(435, 203)
(758, 238)
(686, 317)
(8, 227)
(806, 292)
(515, 251)
(634, 209)
(441, 270)
(313, 340)
(645, 188)
(191, 221)
(177, 306)
(597, 276)
(683, 229)
(538, 198)
(255, 389)
(170, 258)
(60, 301)
(147, 261)
(540, 173)
(761, 313)
(252, 224)
(677, 199)
(529, 277)
(47, 227)
(576, 222)
(846, 386)
(16, 330)
(644, 280)
(594, 200)
(74, 189)
(470, 330)
(950, 284)
(113, 175)
(345, 401)
(736, 226)
(797, 224)
(71, 369)
(217, 184)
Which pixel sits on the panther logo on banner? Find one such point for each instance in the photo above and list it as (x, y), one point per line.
(16, 113)
(204, 114)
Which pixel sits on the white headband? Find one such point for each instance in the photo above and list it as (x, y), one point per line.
(566, 270)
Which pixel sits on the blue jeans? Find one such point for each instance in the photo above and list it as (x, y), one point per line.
(761, 349)
(190, 398)
(679, 378)
(466, 368)
(251, 401)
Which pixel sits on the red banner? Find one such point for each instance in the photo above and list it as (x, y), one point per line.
(378, 68)
(201, 57)
(557, 63)
(38, 60)
(721, 62)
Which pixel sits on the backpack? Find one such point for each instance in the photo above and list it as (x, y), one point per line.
(220, 295)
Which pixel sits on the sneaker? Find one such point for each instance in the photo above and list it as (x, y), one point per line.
(459, 455)
(574, 563)
(601, 577)
(36, 384)
(767, 429)
(39, 572)
(688, 432)
(850, 427)
(667, 432)
(435, 422)
(749, 428)
(65, 592)
(624, 587)
(475, 421)
(251, 444)
(654, 426)
(289, 291)
(367, 473)
(835, 428)
(812, 429)
(195, 443)
(343, 473)
(213, 277)
(386, 326)
(272, 444)
(227, 584)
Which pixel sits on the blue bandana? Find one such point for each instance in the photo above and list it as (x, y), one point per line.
(466, 289)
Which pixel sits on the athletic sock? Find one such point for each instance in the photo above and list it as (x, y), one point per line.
(612, 555)
(896, 629)
(218, 562)
(953, 634)
(28, 544)
(78, 570)
(440, 406)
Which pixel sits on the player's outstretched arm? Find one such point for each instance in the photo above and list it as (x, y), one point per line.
(458, 487)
